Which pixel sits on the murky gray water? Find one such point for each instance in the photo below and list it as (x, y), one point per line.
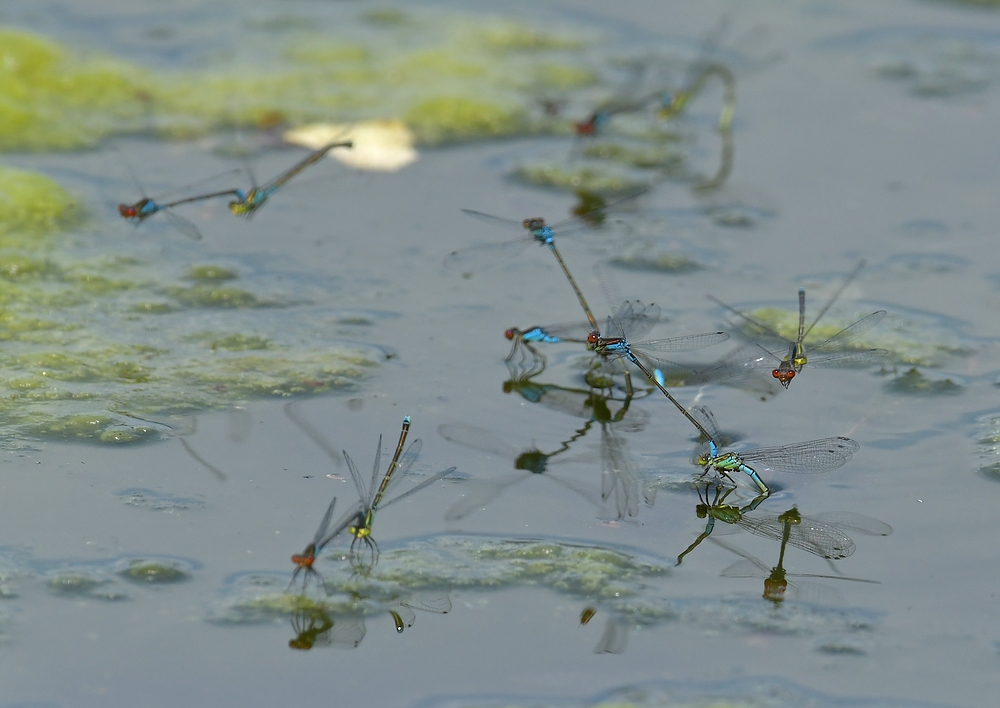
(136, 575)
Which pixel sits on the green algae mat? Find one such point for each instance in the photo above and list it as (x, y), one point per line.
(108, 347)
(449, 77)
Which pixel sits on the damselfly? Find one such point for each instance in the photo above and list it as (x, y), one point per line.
(359, 520)
(304, 561)
(830, 350)
(147, 206)
(776, 583)
(633, 317)
(806, 457)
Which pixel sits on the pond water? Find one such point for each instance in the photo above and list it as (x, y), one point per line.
(154, 482)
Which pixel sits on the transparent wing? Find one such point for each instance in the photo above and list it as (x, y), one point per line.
(617, 475)
(480, 493)
(854, 522)
(359, 484)
(325, 523)
(356, 512)
(747, 361)
(813, 593)
(182, 224)
(850, 333)
(833, 298)
(760, 328)
(746, 568)
(495, 220)
(291, 410)
(485, 256)
(405, 463)
(639, 320)
(348, 631)
(478, 439)
(847, 360)
(373, 489)
(809, 535)
(427, 482)
(614, 640)
(682, 344)
(430, 602)
(704, 416)
(805, 457)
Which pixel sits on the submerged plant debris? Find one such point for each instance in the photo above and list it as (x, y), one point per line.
(107, 347)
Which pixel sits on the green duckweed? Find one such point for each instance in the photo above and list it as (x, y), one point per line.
(153, 572)
(914, 383)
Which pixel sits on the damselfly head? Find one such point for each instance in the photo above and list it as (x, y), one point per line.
(701, 510)
(774, 590)
(592, 339)
(534, 223)
(239, 208)
(307, 558)
(131, 211)
(587, 127)
(512, 332)
(784, 377)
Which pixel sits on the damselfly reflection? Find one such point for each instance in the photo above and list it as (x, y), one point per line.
(830, 351)
(532, 461)
(317, 627)
(574, 332)
(809, 457)
(821, 534)
(615, 416)
(247, 203)
(776, 580)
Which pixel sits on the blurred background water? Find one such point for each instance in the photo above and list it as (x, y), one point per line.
(153, 484)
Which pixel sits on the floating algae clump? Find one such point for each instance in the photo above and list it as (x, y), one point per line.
(914, 383)
(441, 563)
(455, 77)
(102, 349)
(623, 583)
(909, 339)
(158, 572)
(31, 206)
(451, 119)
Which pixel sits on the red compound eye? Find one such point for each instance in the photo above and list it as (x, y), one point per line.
(593, 337)
(776, 374)
(509, 334)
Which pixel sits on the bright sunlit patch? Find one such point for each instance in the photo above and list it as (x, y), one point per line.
(381, 145)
